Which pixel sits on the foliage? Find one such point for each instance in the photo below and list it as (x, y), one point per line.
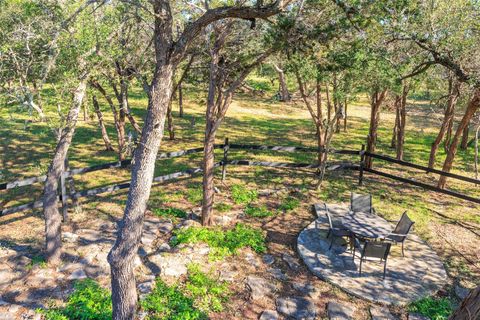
(169, 303)
(88, 301)
(209, 293)
(194, 193)
(433, 308)
(223, 243)
(289, 203)
(223, 207)
(257, 211)
(242, 195)
(170, 212)
(37, 261)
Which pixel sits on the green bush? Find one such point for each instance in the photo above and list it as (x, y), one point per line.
(240, 194)
(170, 212)
(258, 211)
(223, 243)
(88, 301)
(209, 293)
(223, 207)
(169, 303)
(289, 204)
(433, 308)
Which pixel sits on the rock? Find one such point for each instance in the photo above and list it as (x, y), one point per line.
(461, 292)
(77, 274)
(227, 275)
(278, 274)
(297, 308)
(170, 265)
(381, 313)
(164, 247)
(148, 238)
(252, 259)
(146, 286)
(268, 259)
(269, 315)
(69, 237)
(291, 261)
(338, 311)
(188, 224)
(416, 316)
(307, 289)
(216, 190)
(224, 220)
(259, 287)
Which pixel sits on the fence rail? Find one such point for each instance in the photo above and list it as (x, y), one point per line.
(64, 196)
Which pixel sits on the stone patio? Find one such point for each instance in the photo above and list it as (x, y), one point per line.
(420, 273)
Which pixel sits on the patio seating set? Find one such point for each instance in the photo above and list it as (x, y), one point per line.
(367, 231)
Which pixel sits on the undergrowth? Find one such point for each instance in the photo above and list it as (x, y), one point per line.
(258, 211)
(242, 195)
(289, 204)
(223, 242)
(433, 308)
(170, 212)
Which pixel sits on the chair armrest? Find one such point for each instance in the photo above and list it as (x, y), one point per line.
(397, 234)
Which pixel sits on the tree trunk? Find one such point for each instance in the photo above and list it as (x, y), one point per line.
(106, 139)
(376, 101)
(208, 175)
(284, 95)
(345, 119)
(464, 143)
(124, 251)
(402, 122)
(452, 150)
(170, 128)
(393, 143)
(447, 122)
(470, 307)
(53, 219)
(180, 100)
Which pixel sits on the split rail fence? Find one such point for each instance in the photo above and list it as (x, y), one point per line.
(65, 195)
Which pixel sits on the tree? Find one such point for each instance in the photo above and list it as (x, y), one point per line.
(469, 309)
(168, 54)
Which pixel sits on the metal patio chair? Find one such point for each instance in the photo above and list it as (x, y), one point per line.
(336, 229)
(400, 233)
(361, 203)
(373, 249)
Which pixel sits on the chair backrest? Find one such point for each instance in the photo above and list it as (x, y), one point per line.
(360, 202)
(328, 217)
(404, 225)
(376, 249)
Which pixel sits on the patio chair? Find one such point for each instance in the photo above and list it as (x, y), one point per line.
(336, 229)
(373, 249)
(361, 203)
(400, 233)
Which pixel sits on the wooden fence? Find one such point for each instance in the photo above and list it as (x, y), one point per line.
(355, 165)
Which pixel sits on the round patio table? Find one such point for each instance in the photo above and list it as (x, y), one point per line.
(366, 225)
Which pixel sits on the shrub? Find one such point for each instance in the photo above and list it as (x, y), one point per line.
(169, 303)
(240, 194)
(88, 301)
(289, 204)
(223, 243)
(433, 308)
(170, 212)
(258, 211)
(209, 293)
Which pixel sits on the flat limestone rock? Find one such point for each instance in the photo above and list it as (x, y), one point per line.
(291, 261)
(307, 289)
(269, 315)
(416, 316)
(338, 311)
(297, 308)
(381, 313)
(277, 273)
(259, 287)
(268, 259)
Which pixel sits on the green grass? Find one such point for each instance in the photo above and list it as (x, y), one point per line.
(170, 212)
(88, 301)
(258, 211)
(432, 308)
(223, 207)
(223, 242)
(242, 195)
(194, 193)
(289, 204)
(37, 261)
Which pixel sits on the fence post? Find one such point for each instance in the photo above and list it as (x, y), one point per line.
(226, 146)
(362, 164)
(63, 188)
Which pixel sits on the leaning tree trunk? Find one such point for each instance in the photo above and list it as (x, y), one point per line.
(53, 219)
(470, 307)
(105, 137)
(345, 116)
(124, 251)
(376, 102)
(180, 100)
(446, 124)
(170, 128)
(402, 122)
(464, 143)
(452, 150)
(393, 143)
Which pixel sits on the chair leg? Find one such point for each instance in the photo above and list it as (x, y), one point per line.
(403, 252)
(360, 270)
(384, 268)
(331, 243)
(328, 234)
(353, 253)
